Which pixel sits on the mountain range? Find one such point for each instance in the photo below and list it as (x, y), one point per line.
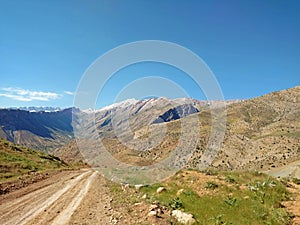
(260, 133)
(38, 109)
(48, 128)
(41, 130)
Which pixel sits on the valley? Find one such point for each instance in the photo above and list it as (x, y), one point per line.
(49, 175)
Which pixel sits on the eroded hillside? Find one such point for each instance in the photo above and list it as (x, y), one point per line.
(261, 133)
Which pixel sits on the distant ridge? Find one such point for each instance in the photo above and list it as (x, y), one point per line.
(38, 108)
(41, 130)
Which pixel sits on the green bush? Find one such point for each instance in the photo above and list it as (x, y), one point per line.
(230, 179)
(176, 203)
(231, 201)
(211, 185)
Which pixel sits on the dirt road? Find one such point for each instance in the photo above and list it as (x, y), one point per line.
(71, 197)
(290, 170)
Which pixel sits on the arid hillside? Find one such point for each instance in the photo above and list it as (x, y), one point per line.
(261, 133)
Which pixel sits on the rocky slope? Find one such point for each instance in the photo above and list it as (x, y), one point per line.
(261, 133)
(176, 113)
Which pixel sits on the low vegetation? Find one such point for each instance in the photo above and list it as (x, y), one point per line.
(217, 198)
(16, 161)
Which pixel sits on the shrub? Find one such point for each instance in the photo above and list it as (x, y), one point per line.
(211, 185)
(230, 179)
(231, 201)
(176, 203)
(296, 180)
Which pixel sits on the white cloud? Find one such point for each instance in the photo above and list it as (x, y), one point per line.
(25, 95)
(16, 97)
(69, 93)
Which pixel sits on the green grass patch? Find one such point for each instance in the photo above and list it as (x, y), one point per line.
(16, 161)
(243, 198)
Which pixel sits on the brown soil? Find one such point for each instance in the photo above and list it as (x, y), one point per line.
(294, 205)
(24, 181)
(70, 197)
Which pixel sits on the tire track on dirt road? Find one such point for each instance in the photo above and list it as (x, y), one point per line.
(8, 208)
(52, 204)
(68, 212)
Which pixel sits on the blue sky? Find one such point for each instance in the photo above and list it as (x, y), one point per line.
(253, 47)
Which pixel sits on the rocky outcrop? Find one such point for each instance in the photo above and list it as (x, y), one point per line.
(176, 113)
(183, 217)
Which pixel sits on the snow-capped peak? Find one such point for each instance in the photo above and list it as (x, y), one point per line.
(122, 104)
